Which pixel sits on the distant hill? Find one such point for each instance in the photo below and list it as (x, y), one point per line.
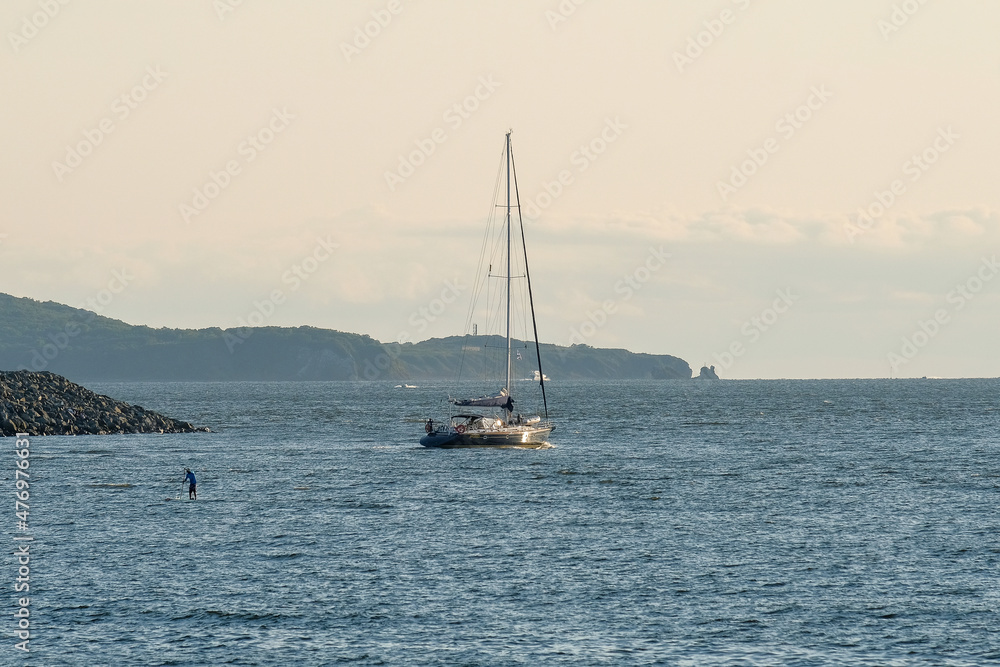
(83, 345)
(438, 358)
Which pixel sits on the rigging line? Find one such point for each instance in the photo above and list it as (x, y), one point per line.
(490, 222)
(484, 280)
(531, 300)
(480, 281)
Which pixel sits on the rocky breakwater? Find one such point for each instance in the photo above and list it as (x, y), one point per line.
(48, 404)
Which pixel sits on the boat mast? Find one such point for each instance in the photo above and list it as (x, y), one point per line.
(509, 369)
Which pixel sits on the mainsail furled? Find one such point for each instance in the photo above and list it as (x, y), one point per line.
(502, 401)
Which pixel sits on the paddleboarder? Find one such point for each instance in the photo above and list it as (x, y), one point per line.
(192, 491)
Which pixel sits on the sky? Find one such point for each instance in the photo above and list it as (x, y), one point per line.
(782, 189)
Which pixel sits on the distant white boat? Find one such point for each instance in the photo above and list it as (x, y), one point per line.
(405, 386)
(538, 377)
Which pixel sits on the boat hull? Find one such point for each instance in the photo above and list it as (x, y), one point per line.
(524, 437)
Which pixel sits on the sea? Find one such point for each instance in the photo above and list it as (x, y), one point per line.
(669, 523)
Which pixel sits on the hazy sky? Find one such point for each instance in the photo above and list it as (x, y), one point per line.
(177, 162)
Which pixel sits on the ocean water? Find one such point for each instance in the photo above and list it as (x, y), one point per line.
(689, 523)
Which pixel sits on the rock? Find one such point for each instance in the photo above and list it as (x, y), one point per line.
(43, 403)
(707, 373)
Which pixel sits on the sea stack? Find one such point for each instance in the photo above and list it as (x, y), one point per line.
(707, 373)
(43, 403)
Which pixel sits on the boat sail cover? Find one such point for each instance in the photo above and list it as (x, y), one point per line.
(502, 401)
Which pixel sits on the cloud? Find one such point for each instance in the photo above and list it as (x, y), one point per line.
(762, 227)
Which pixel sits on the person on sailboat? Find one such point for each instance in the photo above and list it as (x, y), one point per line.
(429, 427)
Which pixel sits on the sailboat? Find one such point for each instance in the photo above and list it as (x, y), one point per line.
(496, 419)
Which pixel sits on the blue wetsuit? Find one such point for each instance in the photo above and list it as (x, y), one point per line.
(189, 477)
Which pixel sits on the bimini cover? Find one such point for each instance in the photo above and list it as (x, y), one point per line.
(502, 401)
